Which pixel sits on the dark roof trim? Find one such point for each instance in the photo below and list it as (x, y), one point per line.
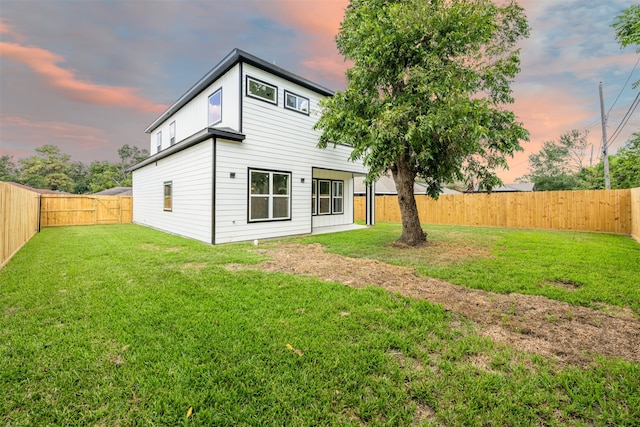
(196, 138)
(234, 57)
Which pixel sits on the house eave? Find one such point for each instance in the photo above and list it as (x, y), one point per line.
(196, 138)
(234, 57)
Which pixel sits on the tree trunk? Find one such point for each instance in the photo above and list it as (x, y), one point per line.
(412, 233)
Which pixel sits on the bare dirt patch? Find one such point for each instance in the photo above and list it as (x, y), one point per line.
(564, 332)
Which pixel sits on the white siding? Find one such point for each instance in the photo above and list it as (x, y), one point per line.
(190, 172)
(282, 140)
(193, 117)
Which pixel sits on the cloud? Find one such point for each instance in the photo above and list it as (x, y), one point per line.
(21, 136)
(319, 22)
(55, 130)
(8, 30)
(45, 63)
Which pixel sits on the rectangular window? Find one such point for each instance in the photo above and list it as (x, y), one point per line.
(337, 197)
(172, 133)
(215, 107)
(269, 195)
(262, 90)
(314, 197)
(324, 197)
(296, 102)
(159, 141)
(168, 196)
(327, 197)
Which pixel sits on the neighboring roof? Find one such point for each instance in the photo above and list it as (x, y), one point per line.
(196, 138)
(510, 188)
(37, 190)
(115, 191)
(234, 57)
(386, 186)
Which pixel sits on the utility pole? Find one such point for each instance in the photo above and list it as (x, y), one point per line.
(607, 179)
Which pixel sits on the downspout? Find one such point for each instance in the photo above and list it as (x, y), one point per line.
(214, 143)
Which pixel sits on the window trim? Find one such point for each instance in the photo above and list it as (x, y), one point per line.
(159, 141)
(315, 198)
(321, 196)
(169, 197)
(209, 107)
(172, 133)
(334, 197)
(270, 195)
(298, 98)
(251, 95)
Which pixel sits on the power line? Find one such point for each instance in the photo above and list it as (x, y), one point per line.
(625, 119)
(623, 87)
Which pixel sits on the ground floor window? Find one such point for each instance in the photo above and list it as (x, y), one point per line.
(314, 197)
(168, 196)
(269, 195)
(327, 197)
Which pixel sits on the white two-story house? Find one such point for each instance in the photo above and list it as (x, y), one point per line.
(235, 158)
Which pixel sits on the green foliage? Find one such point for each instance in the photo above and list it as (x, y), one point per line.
(48, 169)
(627, 27)
(125, 325)
(426, 90)
(425, 96)
(556, 165)
(53, 170)
(624, 168)
(8, 170)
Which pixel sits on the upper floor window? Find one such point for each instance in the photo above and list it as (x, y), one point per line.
(269, 195)
(159, 140)
(172, 133)
(296, 102)
(262, 90)
(215, 107)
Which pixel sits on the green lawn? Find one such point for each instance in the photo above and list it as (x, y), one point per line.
(124, 325)
(575, 267)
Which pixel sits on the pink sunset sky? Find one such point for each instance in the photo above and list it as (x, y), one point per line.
(89, 76)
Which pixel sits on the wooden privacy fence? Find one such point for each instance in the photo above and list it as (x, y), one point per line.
(608, 211)
(19, 215)
(635, 213)
(64, 209)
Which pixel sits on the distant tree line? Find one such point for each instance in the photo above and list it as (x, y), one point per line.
(51, 169)
(561, 165)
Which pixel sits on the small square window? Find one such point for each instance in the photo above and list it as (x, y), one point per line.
(215, 107)
(172, 133)
(262, 90)
(168, 196)
(296, 102)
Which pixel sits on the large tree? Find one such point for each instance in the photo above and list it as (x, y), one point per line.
(8, 170)
(48, 169)
(426, 94)
(557, 164)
